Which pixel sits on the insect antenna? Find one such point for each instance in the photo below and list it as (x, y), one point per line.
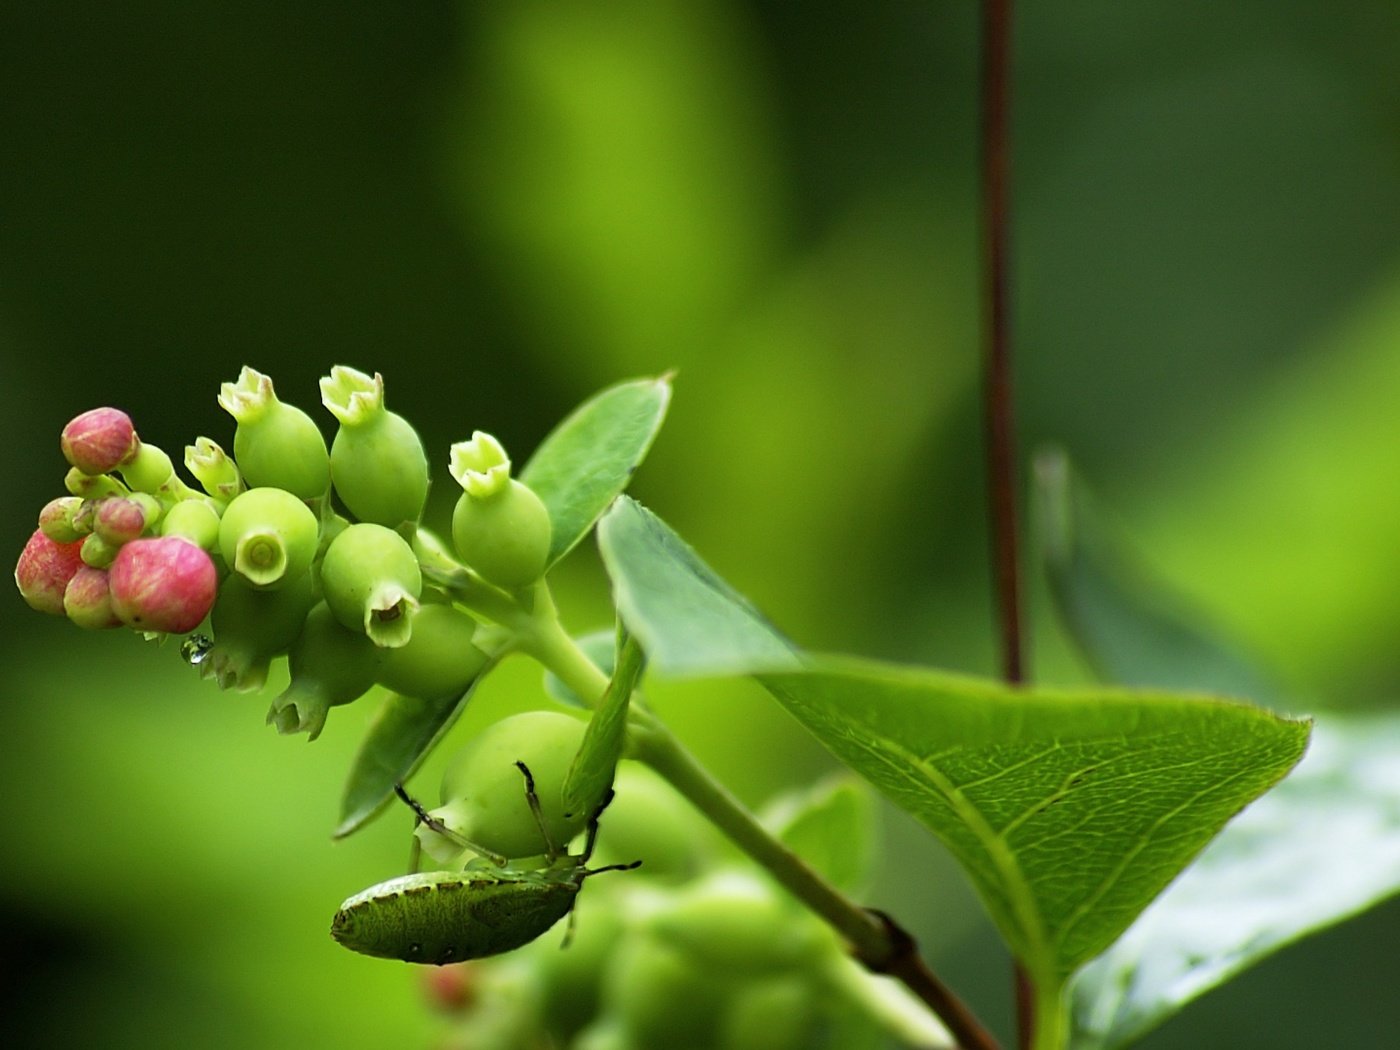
(631, 865)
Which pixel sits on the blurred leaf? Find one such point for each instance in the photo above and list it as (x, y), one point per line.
(594, 767)
(401, 734)
(689, 621)
(588, 459)
(830, 825)
(1069, 810)
(1321, 847)
(1129, 626)
(601, 648)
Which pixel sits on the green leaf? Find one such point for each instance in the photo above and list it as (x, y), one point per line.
(589, 458)
(401, 734)
(1130, 626)
(689, 621)
(594, 767)
(830, 825)
(1324, 845)
(1069, 810)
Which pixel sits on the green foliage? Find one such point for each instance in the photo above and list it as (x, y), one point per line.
(689, 621)
(1069, 811)
(1132, 629)
(1285, 867)
(1321, 847)
(589, 458)
(830, 825)
(591, 775)
(400, 735)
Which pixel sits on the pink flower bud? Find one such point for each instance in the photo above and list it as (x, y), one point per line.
(88, 600)
(120, 520)
(44, 569)
(99, 440)
(164, 583)
(59, 519)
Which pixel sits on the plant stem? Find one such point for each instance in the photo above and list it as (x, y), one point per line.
(876, 941)
(999, 408)
(999, 415)
(885, 1002)
(1051, 1021)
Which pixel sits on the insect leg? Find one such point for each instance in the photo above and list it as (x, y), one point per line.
(533, 799)
(433, 824)
(592, 839)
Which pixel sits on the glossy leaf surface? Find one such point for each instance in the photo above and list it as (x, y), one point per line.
(1324, 845)
(689, 621)
(588, 459)
(1069, 810)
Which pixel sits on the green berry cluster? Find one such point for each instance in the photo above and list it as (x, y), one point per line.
(289, 547)
(692, 951)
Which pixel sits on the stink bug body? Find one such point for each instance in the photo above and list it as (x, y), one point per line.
(441, 917)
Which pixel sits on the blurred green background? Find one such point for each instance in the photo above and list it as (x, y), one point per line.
(505, 207)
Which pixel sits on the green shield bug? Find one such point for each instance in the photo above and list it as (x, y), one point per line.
(441, 917)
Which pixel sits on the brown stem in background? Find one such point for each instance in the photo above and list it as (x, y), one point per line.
(999, 412)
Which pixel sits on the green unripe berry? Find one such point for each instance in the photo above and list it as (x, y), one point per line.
(148, 470)
(484, 790)
(661, 997)
(378, 465)
(440, 658)
(93, 487)
(59, 520)
(735, 922)
(371, 582)
(330, 666)
(276, 444)
(268, 536)
(648, 820)
(251, 627)
(211, 466)
(196, 520)
(500, 528)
(97, 552)
(776, 1014)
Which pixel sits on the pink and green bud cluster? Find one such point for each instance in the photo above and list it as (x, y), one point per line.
(164, 584)
(289, 546)
(99, 556)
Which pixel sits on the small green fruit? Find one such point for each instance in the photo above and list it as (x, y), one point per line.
(500, 527)
(371, 581)
(439, 659)
(268, 536)
(483, 789)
